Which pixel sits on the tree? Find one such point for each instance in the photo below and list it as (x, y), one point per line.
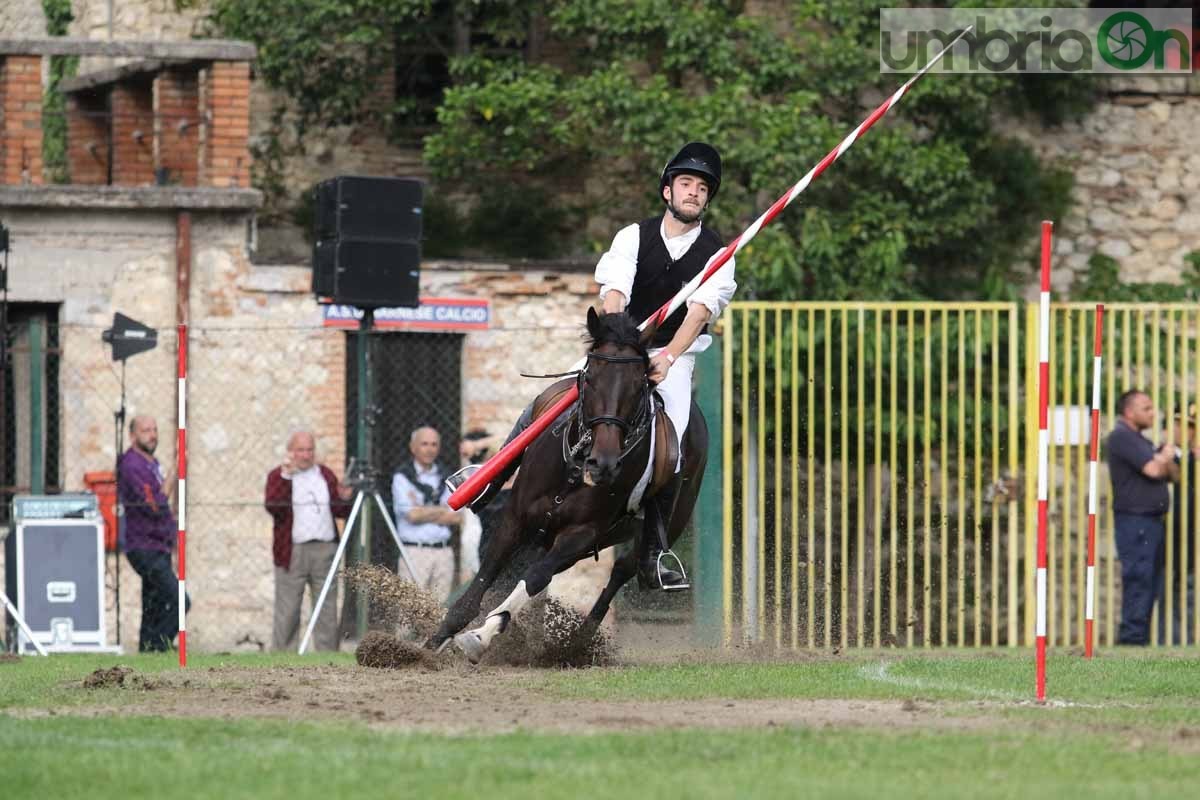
(934, 202)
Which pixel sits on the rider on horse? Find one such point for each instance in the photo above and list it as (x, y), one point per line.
(646, 265)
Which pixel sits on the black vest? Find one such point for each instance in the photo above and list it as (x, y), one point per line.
(659, 278)
(430, 495)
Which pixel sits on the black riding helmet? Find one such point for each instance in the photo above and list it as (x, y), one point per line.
(696, 158)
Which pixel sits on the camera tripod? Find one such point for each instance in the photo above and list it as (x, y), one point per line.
(363, 479)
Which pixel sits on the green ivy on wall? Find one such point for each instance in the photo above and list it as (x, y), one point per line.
(1102, 284)
(55, 166)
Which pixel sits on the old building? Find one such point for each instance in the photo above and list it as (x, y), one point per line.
(158, 224)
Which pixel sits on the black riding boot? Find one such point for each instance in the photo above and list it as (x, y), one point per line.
(493, 488)
(654, 570)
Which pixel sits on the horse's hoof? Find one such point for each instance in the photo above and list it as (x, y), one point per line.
(470, 645)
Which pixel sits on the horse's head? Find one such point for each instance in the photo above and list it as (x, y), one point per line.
(614, 392)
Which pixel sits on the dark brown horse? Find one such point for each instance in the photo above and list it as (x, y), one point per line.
(570, 499)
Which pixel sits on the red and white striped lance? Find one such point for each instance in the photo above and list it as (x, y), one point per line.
(476, 483)
(1089, 615)
(181, 460)
(1043, 455)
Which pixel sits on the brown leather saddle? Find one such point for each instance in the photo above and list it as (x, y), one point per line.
(666, 443)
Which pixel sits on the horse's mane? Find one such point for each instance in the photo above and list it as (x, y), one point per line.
(618, 329)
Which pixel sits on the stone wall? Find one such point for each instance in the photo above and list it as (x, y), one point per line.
(132, 19)
(22, 19)
(1136, 170)
(260, 365)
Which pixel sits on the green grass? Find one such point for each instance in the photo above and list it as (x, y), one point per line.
(1125, 725)
(208, 758)
(1136, 676)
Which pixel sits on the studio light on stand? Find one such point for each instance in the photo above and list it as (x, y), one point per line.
(127, 337)
(12, 610)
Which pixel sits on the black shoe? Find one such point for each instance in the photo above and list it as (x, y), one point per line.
(654, 571)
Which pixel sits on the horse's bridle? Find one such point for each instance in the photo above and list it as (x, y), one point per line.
(590, 422)
(575, 453)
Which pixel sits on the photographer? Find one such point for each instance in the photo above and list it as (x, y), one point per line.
(303, 497)
(1140, 473)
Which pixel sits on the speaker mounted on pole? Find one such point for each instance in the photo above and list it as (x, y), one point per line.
(367, 241)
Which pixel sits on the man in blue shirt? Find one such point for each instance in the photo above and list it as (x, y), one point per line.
(1140, 473)
(423, 520)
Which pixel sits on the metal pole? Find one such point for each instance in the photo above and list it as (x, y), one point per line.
(1043, 460)
(21, 622)
(363, 445)
(333, 568)
(708, 519)
(37, 422)
(119, 424)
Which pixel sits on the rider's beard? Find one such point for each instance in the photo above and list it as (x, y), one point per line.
(687, 218)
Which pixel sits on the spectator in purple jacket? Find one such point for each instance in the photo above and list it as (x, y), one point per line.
(150, 535)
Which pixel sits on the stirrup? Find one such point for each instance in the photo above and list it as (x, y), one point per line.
(459, 478)
(658, 568)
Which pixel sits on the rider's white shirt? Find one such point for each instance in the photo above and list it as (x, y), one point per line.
(617, 268)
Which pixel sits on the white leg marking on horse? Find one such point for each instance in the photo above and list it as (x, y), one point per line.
(513, 605)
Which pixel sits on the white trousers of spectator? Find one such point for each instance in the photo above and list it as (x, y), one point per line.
(434, 567)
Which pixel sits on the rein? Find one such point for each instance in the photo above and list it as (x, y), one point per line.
(633, 431)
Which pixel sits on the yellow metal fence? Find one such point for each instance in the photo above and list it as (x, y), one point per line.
(878, 469)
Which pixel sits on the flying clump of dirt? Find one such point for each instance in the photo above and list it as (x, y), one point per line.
(386, 651)
(545, 634)
(549, 634)
(399, 603)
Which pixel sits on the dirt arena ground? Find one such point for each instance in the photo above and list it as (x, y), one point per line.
(462, 699)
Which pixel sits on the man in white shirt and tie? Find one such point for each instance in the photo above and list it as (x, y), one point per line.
(423, 519)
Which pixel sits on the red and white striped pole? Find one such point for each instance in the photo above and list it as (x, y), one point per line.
(474, 485)
(1089, 616)
(1043, 455)
(181, 494)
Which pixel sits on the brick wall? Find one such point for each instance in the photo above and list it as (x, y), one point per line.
(177, 111)
(21, 120)
(87, 138)
(226, 101)
(133, 134)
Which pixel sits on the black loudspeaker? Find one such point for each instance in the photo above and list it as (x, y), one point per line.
(367, 250)
(368, 274)
(351, 207)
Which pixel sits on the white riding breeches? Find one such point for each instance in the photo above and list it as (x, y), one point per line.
(676, 392)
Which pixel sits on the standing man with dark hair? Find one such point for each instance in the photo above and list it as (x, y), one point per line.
(303, 498)
(150, 535)
(1140, 473)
